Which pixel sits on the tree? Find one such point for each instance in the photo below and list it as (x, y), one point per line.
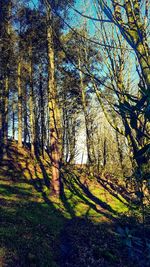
(134, 29)
(5, 34)
(54, 111)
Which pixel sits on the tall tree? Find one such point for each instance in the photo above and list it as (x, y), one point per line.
(134, 30)
(5, 32)
(54, 112)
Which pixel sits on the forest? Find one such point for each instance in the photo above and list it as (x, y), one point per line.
(74, 133)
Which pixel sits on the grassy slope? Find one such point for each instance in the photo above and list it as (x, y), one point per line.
(38, 230)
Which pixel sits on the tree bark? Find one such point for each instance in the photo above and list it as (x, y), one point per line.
(25, 120)
(13, 119)
(31, 105)
(5, 115)
(84, 105)
(42, 116)
(19, 105)
(54, 112)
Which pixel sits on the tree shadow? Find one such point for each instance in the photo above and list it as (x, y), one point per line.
(34, 232)
(17, 164)
(44, 172)
(116, 190)
(64, 198)
(37, 234)
(29, 233)
(74, 185)
(70, 180)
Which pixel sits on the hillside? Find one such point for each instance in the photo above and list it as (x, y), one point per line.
(83, 228)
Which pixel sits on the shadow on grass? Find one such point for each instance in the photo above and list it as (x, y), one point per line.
(8, 191)
(45, 175)
(115, 190)
(36, 234)
(72, 181)
(84, 194)
(29, 228)
(64, 198)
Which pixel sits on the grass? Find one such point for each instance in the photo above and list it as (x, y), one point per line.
(29, 227)
(40, 230)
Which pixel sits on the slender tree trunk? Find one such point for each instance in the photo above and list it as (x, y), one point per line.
(64, 133)
(19, 105)
(25, 120)
(120, 152)
(42, 116)
(143, 55)
(66, 139)
(98, 154)
(36, 133)
(72, 139)
(13, 119)
(105, 153)
(31, 104)
(5, 115)
(5, 97)
(84, 105)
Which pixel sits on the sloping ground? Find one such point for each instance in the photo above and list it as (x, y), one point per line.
(29, 227)
(20, 164)
(81, 229)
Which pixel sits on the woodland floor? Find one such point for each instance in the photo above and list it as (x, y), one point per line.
(93, 224)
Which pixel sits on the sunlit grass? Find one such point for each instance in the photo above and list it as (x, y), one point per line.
(33, 219)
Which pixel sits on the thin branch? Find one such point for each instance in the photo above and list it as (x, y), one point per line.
(89, 17)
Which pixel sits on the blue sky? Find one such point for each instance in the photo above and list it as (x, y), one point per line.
(76, 20)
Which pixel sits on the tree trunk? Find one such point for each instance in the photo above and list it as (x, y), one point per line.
(19, 105)
(5, 116)
(13, 119)
(84, 105)
(5, 97)
(25, 120)
(104, 153)
(143, 55)
(54, 113)
(72, 139)
(31, 105)
(42, 116)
